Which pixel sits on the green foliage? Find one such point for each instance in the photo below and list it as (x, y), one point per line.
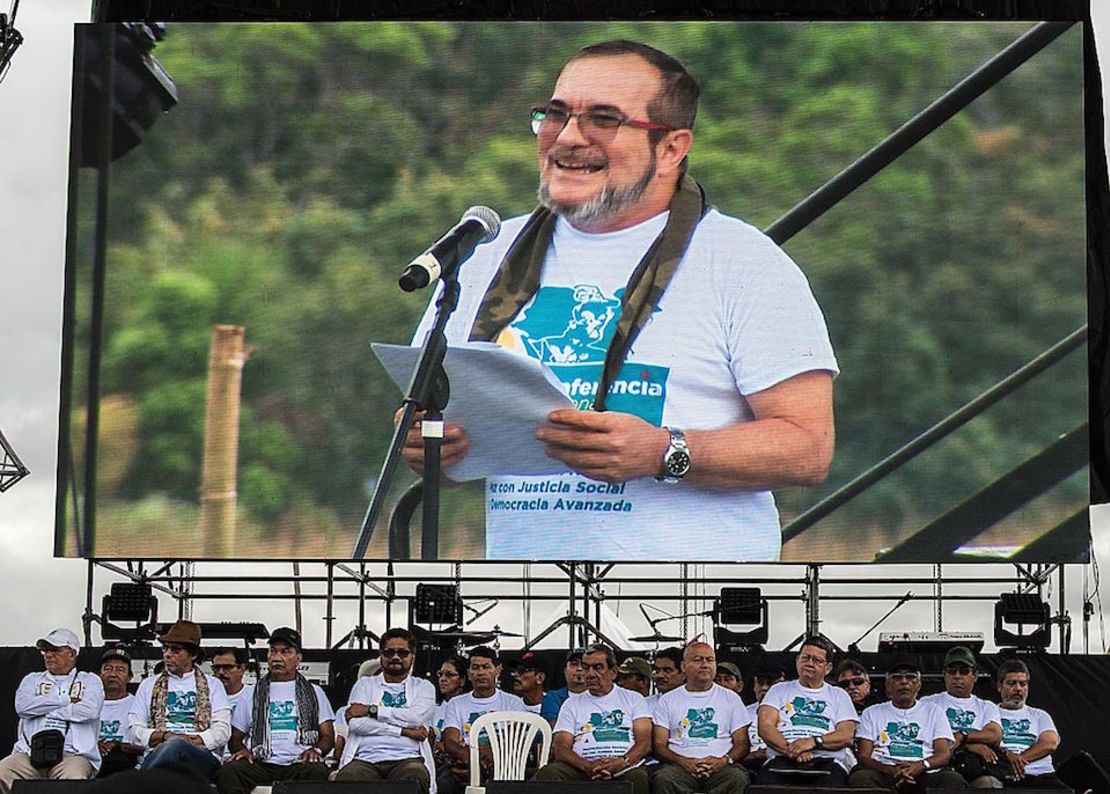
(307, 164)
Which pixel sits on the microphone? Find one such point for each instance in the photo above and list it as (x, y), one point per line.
(478, 225)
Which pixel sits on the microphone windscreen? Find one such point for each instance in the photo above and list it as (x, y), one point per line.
(489, 219)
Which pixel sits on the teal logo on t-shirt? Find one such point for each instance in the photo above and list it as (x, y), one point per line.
(960, 720)
(1017, 732)
(569, 330)
(394, 700)
(607, 726)
(901, 740)
(181, 707)
(283, 716)
(699, 723)
(110, 731)
(807, 713)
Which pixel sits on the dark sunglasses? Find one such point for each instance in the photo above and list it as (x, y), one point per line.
(399, 653)
(847, 682)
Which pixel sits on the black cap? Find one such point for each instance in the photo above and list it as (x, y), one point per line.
(115, 652)
(530, 660)
(768, 671)
(287, 635)
(904, 661)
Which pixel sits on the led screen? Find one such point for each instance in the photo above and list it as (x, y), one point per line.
(254, 234)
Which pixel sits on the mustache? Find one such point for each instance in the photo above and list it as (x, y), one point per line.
(577, 155)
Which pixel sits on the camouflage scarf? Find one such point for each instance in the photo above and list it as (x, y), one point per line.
(158, 695)
(518, 278)
(308, 716)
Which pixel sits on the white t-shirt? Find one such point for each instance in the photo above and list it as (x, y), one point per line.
(241, 700)
(754, 739)
(284, 718)
(811, 712)
(113, 719)
(463, 709)
(738, 317)
(45, 702)
(181, 711)
(403, 704)
(1020, 730)
(902, 734)
(439, 719)
(964, 714)
(701, 723)
(533, 708)
(602, 726)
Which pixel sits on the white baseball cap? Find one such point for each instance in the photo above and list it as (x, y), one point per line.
(59, 638)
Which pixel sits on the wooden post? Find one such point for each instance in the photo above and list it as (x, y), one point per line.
(221, 441)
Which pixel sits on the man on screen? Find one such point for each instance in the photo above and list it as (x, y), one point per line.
(695, 333)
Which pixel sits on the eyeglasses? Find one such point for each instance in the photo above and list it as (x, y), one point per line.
(596, 123)
(219, 668)
(809, 657)
(173, 648)
(399, 653)
(847, 682)
(960, 669)
(447, 674)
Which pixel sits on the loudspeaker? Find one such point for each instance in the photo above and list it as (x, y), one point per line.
(560, 787)
(1083, 773)
(330, 787)
(50, 786)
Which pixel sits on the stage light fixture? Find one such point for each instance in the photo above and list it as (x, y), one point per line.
(1022, 610)
(129, 602)
(437, 604)
(740, 606)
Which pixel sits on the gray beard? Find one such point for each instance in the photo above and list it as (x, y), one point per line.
(609, 202)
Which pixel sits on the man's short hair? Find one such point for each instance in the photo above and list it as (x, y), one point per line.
(851, 666)
(817, 641)
(484, 652)
(676, 104)
(1012, 666)
(673, 653)
(398, 634)
(240, 654)
(610, 656)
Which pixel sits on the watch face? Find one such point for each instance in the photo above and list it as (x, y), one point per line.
(678, 463)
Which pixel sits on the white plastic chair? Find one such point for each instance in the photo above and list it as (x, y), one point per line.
(511, 736)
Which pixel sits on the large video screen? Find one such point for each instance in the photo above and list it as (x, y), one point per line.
(253, 237)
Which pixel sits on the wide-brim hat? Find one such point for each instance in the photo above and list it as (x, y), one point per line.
(184, 632)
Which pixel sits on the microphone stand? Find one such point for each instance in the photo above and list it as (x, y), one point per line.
(429, 390)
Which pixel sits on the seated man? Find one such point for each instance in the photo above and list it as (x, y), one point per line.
(388, 718)
(730, 677)
(903, 744)
(289, 723)
(1028, 734)
(635, 674)
(576, 685)
(484, 671)
(766, 675)
(701, 732)
(181, 715)
(117, 754)
(529, 676)
(807, 724)
(60, 699)
(852, 677)
(974, 721)
(229, 665)
(605, 732)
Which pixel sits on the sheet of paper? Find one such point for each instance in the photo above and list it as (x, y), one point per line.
(500, 397)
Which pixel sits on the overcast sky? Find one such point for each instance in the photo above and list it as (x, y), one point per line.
(40, 592)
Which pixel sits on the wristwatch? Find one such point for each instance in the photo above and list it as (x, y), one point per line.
(676, 460)
(819, 742)
(925, 763)
(373, 711)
